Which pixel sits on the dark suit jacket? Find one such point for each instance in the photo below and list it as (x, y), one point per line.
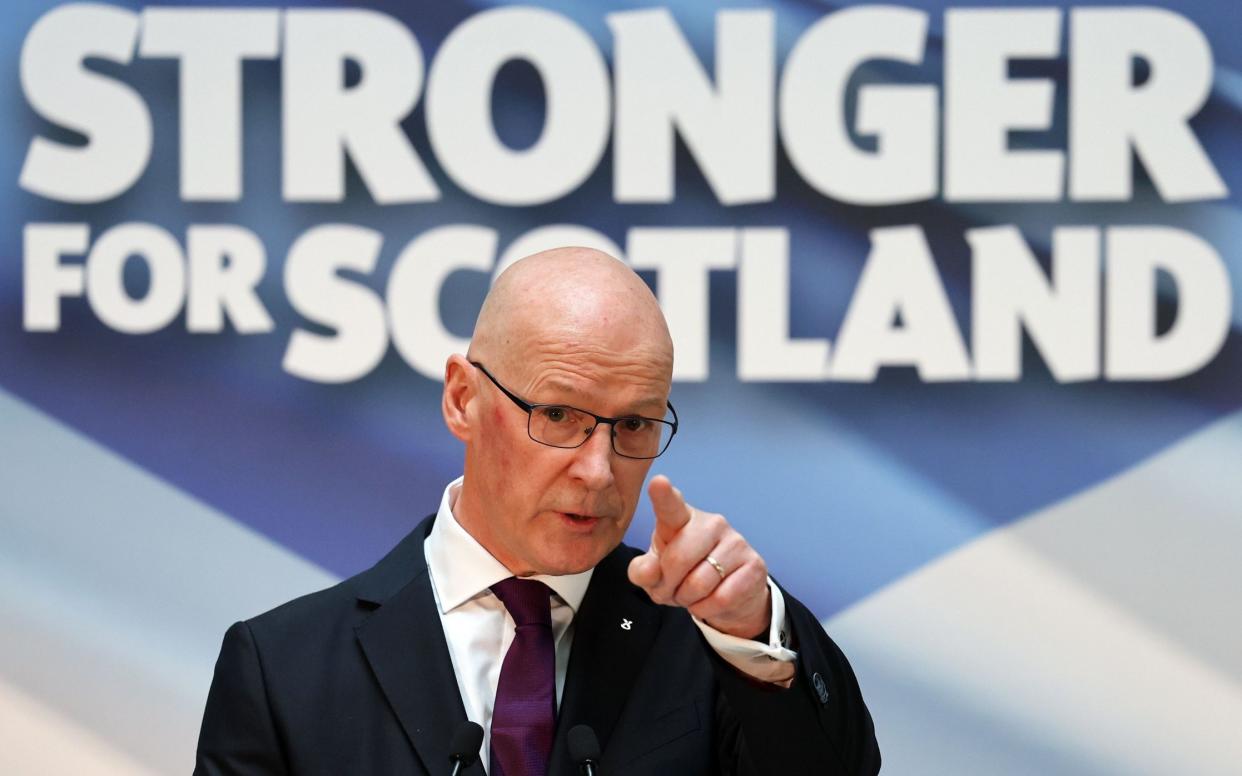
(356, 680)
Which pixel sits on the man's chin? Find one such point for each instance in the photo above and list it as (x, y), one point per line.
(577, 558)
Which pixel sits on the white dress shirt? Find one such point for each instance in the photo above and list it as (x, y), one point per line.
(479, 629)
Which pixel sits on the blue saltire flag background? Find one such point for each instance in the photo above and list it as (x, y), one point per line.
(1030, 576)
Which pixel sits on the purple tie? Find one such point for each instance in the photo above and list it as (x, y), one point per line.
(524, 719)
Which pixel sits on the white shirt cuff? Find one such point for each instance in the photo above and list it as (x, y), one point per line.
(772, 662)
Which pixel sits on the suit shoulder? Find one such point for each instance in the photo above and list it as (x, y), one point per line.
(308, 618)
(349, 597)
(310, 605)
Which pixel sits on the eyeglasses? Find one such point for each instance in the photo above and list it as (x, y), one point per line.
(559, 425)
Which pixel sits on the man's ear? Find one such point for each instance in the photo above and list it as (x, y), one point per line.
(459, 392)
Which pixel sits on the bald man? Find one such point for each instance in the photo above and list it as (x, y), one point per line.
(517, 607)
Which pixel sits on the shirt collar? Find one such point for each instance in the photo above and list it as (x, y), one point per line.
(462, 569)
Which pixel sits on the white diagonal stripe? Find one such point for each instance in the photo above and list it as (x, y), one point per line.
(115, 590)
(1097, 636)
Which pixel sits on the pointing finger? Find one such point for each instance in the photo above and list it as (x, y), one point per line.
(671, 510)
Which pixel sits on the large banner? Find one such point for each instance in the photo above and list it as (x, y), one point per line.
(954, 293)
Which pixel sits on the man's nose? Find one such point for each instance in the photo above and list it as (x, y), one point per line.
(593, 459)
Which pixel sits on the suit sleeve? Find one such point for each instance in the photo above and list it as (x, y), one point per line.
(238, 736)
(818, 725)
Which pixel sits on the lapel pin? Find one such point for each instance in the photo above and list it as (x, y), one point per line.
(626, 624)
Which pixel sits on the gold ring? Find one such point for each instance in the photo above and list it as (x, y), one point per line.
(716, 565)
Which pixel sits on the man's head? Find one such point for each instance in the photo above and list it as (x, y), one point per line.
(567, 326)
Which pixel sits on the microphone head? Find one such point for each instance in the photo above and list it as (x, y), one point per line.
(467, 739)
(583, 745)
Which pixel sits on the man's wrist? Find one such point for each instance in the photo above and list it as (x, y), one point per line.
(765, 658)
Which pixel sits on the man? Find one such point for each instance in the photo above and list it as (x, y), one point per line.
(516, 606)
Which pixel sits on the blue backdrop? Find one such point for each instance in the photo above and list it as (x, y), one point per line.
(1031, 576)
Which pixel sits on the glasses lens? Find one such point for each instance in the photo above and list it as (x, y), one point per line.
(641, 437)
(560, 426)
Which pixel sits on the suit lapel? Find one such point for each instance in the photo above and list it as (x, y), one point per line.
(613, 632)
(404, 644)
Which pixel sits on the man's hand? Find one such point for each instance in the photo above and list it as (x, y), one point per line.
(676, 570)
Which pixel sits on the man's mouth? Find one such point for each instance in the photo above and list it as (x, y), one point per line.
(580, 519)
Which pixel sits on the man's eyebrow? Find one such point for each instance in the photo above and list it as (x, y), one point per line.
(561, 387)
(653, 405)
(654, 408)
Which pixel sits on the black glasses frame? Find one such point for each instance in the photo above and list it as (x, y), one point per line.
(529, 408)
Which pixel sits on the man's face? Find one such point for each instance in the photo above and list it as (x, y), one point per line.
(552, 510)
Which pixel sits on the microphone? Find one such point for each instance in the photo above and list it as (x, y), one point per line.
(464, 748)
(584, 749)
